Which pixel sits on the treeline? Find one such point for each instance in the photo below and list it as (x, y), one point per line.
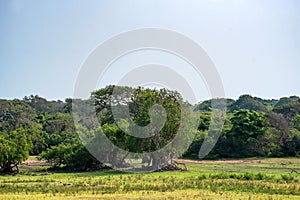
(253, 127)
(36, 126)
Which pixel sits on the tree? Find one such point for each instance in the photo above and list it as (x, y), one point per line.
(22, 115)
(139, 101)
(248, 102)
(41, 105)
(289, 109)
(294, 142)
(286, 100)
(276, 136)
(243, 137)
(204, 122)
(14, 149)
(218, 104)
(193, 150)
(247, 123)
(38, 139)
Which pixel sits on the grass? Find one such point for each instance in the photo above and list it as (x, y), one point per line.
(266, 180)
(270, 165)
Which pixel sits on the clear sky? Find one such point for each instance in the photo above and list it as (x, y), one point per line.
(254, 44)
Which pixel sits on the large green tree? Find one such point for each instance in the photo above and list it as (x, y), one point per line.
(139, 102)
(243, 139)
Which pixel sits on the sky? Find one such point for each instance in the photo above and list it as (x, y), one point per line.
(254, 44)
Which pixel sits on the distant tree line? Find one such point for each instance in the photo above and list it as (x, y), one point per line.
(254, 127)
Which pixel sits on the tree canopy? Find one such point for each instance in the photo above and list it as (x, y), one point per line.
(36, 126)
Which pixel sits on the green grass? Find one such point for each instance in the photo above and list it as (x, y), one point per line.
(266, 180)
(270, 165)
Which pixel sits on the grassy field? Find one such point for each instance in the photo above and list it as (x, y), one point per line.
(246, 179)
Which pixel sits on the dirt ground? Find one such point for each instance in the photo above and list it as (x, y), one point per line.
(32, 162)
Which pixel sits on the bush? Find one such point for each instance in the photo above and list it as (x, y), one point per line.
(74, 157)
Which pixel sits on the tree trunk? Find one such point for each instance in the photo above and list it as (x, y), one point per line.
(7, 168)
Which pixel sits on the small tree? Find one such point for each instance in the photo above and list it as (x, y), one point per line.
(14, 149)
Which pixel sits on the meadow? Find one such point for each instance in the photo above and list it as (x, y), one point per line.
(243, 179)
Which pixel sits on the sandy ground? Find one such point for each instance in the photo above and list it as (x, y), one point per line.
(33, 164)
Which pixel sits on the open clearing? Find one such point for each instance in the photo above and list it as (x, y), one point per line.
(231, 179)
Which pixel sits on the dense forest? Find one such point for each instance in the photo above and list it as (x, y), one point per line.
(254, 127)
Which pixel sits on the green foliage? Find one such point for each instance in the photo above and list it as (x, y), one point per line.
(295, 136)
(34, 125)
(218, 104)
(247, 124)
(296, 122)
(22, 115)
(242, 135)
(289, 110)
(41, 105)
(139, 101)
(38, 139)
(14, 149)
(56, 123)
(71, 156)
(193, 151)
(286, 100)
(204, 122)
(248, 102)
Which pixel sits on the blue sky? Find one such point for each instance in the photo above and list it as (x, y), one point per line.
(255, 45)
